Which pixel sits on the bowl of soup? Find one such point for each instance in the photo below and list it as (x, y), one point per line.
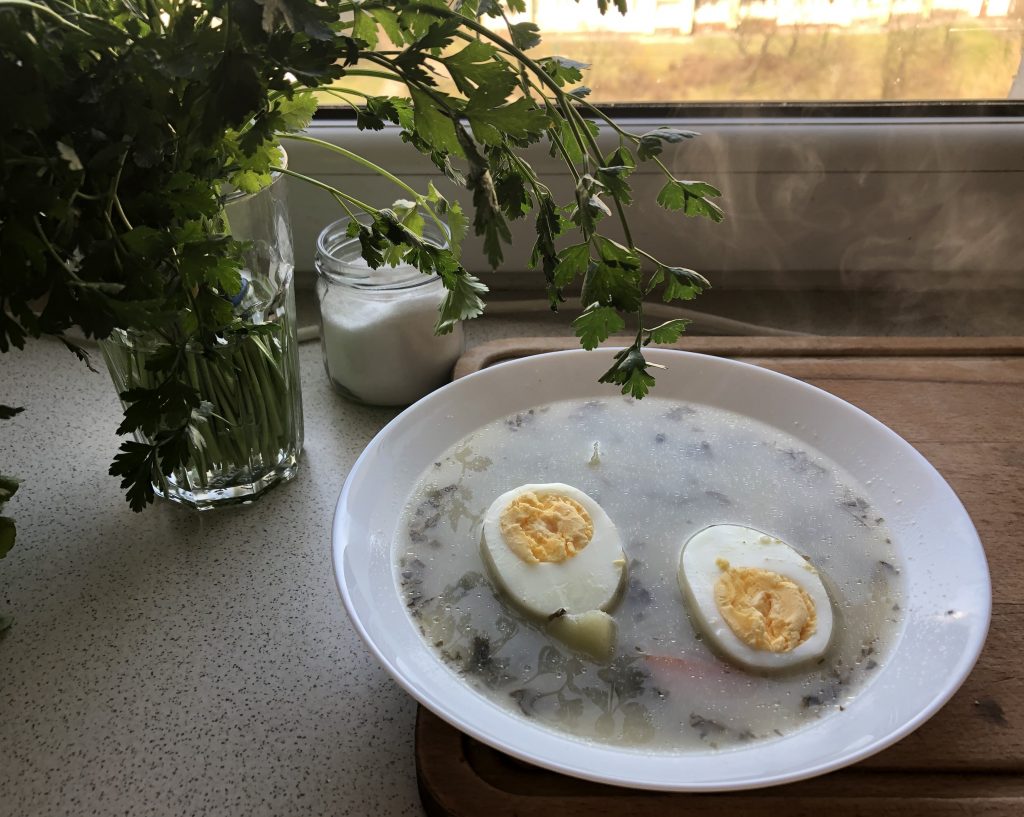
(738, 581)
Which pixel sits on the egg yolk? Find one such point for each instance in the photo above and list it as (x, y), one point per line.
(547, 528)
(766, 610)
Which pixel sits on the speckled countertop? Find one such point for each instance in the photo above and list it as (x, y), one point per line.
(174, 663)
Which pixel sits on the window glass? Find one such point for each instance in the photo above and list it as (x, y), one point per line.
(722, 51)
(776, 50)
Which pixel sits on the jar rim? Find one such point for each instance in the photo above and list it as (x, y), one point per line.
(352, 270)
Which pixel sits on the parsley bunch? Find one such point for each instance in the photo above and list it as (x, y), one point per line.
(476, 99)
(127, 121)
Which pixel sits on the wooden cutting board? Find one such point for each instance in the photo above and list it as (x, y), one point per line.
(960, 402)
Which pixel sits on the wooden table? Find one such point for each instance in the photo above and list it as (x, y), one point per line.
(960, 402)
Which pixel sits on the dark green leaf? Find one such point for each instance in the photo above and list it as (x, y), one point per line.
(549, 226)
(78, 352)
(563, 71)
(237, 92)
(690, 197)
(572, 262)
(668, 332)
(388, 20)
(614, 278)
(614, 174)
(653, 142)
(364, 28)
(630, 372)
(136, 464)
(379, 109)
(297, 112)
(596, 324)
(681, 284)
(299, 16)
(439, 35)
(372, 246)
(520, 120)
(589, 207)
(525, 35)
(433, 124)
(513, 196)
(8, 488)
(147, 242)
(462, 301)
(480, 75)
(8, 533)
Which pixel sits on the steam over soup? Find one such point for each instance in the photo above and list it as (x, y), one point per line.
(780, 629)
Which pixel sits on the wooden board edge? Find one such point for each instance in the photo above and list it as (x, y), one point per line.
(450, 786)
(495, 351)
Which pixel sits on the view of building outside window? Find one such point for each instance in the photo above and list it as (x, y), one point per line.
(789, 50)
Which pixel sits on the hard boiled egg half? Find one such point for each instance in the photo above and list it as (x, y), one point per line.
(760, 602)
(557, 556)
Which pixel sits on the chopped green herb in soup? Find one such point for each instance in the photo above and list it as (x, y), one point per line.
(543, 558)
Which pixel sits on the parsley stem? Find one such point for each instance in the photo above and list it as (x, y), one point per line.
(52, 250)
(380, 171)
(339, 95)
(570, 113)
(661, 164)
(259, 406)
(46, 10)
(334, 191)
(120, 212)
(365, 72)
(77, 12)
(590, 106)
(206, 429)
(261, 369)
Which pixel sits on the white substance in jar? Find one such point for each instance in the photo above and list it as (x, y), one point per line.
(379, 342)
(377, 325)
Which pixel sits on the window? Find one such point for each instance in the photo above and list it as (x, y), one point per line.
(854, 140)
(774, 50)
(669, 51)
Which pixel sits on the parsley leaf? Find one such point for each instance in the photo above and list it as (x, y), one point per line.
(630, 372)
(691, 198)
(653, 142)
(681, 284)
(462, 301)
(525, 35)
(433, 123)
(573, 261)
(112, 213)
(596, 324)
(667, 332)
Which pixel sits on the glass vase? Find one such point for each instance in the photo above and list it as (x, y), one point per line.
(249, 437)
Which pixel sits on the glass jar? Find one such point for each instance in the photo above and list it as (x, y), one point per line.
(377, 325)
(248, 438)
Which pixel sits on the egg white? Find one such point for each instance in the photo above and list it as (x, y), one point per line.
(590, 580)
(744, 547)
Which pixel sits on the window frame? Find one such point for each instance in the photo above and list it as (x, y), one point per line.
(950, 172)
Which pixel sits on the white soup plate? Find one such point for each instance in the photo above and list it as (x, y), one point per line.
(947, 595)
